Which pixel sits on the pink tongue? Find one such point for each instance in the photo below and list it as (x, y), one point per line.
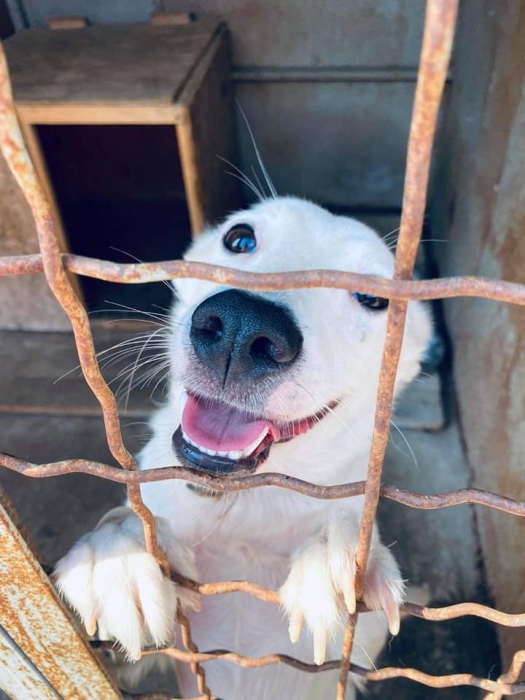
(218, 427)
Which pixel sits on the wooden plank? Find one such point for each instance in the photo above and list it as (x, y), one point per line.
(37, 623)
(210, 193)
(31, 365)
(116, 63)
(58, 23)
(13, 514)
(192, 185)
(100, 113)
(171, 18)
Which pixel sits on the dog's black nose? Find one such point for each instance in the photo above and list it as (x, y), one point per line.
(239, 335)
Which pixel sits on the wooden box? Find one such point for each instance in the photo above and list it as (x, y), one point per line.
(131, 80)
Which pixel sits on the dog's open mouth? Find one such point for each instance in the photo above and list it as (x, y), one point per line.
(217, 438)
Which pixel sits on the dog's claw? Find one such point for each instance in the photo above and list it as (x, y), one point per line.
(91, 625)
(320, 639)
(349, 595)
(393, 616)
(115, 585)
(296, 625)
(320, 588)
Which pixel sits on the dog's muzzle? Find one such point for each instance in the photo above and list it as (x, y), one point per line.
(239, 342)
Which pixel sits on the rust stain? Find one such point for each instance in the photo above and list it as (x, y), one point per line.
(440, 19)
(131, 273)
(32, 616)
(251, 481)
(450, 681)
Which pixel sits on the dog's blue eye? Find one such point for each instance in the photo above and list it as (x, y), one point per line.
(371, 302)
(240, 239)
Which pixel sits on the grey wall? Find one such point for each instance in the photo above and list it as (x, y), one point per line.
(483, 221)
(327, 86)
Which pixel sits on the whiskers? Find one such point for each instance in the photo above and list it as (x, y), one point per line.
(240, 175)
(226, 501)
(329, 409)
(147, 355)
(262, 190)
(354, 414)
(405, 440)
(391, 238)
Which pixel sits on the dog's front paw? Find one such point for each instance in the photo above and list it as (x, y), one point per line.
(112, 582)
(320, 589)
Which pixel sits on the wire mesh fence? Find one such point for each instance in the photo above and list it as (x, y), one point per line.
(436, 50)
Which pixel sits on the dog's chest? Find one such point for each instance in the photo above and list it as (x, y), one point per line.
(249, 626)
(262, 562)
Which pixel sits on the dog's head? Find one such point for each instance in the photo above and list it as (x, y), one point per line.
(268, 380)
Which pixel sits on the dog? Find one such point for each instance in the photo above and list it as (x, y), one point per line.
(283, 382)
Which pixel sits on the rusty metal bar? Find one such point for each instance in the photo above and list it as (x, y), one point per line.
(192, 648)
(143, 273)
(16, 155)
(40, 631)
(387, 673)
(435, 55)
(346, 651)
(250, 481)
(512, 675)
(438, 34)
(448, 612)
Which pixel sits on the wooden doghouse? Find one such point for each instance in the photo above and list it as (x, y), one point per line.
(123, 120)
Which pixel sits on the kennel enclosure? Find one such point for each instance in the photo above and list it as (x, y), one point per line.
(432, 76)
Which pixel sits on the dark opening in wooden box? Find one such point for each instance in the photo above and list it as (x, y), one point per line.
(125, 124)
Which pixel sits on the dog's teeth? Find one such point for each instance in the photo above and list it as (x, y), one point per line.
(255, 444)
(234, 455)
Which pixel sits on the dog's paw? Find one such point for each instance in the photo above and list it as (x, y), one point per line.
(320, 589)
(114, 584)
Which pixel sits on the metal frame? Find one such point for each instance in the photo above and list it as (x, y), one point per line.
(437, 45)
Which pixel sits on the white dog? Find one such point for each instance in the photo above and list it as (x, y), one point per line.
(275, 382)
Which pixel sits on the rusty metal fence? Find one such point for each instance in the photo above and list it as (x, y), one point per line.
(436, 50)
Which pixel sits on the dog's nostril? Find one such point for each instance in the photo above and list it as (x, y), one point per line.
(210, 327)
(264, 348)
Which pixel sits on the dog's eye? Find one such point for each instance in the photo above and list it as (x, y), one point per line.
(240, 239)
(371, 302)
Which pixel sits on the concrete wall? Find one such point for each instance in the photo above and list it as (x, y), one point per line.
(483, 219)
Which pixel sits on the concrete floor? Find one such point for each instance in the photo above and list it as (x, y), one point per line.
(435, 548)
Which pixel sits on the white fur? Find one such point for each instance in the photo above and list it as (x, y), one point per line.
(279, 539)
